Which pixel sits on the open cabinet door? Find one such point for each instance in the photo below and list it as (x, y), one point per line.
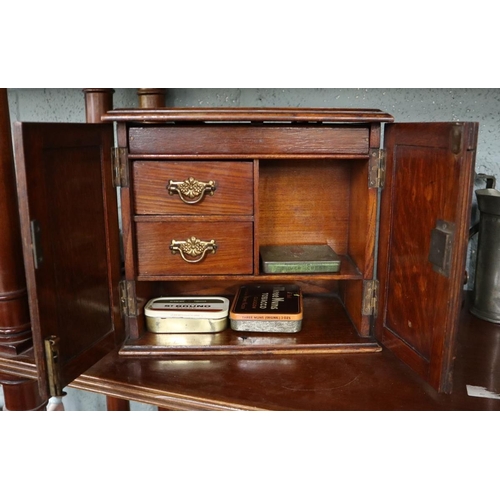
(70, 236)
(424, 223)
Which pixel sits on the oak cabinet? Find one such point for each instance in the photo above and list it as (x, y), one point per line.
(201, 190)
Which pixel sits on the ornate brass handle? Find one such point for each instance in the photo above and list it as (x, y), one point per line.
(193, 250)
(191, 191)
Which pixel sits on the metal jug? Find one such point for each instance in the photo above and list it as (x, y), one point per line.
(486, 304)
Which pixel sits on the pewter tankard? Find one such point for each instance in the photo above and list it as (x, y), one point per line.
(486, 303)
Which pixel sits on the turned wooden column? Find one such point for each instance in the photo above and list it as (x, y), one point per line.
(151, 98)
(97, 102)
(15, 326)
(21, 395)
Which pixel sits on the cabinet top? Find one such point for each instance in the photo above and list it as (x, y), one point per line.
(322, 115)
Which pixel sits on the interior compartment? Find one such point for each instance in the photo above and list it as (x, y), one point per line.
(326, 328)
(316, 202)
(298, 202)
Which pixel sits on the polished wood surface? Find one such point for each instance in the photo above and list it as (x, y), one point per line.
(151, 98)
(418, 304)
(304, 202)
(233, 193)
(373, 382)
(15, 326)
(321, 171)
(21, 394)
(310, 186)
(233, 255)
(377, 381)
(117, 404)
(20, 391)
(73, 290)
(339, 337)
(302, 189)
(242, 141)
(304, 115)
(97, 103)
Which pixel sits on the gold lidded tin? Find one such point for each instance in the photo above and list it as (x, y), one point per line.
(187, 314)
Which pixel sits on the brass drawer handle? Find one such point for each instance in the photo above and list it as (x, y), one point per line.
(193, 250)
(191, 191)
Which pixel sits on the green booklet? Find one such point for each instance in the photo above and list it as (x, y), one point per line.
(283, 259)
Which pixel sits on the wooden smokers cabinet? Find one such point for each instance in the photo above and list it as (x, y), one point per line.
(201, 190)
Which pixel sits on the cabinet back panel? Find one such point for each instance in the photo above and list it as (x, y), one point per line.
(304, 202)
(229, 287)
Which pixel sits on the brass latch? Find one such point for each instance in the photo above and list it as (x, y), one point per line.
(36, 246)
(376, 175)
(441, 247)
(370, 298)
(53, 366)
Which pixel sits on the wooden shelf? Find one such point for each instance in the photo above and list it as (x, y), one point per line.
(348, 271)
(326, 328)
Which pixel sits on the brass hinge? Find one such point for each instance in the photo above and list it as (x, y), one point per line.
(128, 301)
(53, 366)
(370, 298)
(456, 139)
(376, 175)
(120, 167)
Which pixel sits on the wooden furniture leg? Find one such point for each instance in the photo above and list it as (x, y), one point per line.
(21, 394)
(116, 404)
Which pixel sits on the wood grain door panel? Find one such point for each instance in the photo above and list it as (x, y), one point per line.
(429, 179)
(64, 184)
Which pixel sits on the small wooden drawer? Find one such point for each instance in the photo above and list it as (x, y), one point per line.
(193, 187)
(194, 248)
(250, 141)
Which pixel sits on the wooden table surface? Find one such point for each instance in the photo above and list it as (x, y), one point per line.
(375, 381)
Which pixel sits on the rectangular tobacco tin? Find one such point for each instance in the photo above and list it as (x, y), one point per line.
(187, 314)
(267, 308)
(278, 259)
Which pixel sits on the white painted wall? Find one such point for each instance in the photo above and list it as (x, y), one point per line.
(481, 105)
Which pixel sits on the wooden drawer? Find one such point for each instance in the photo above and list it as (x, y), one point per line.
(193, 187)
(248, 141)
(233, 255)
